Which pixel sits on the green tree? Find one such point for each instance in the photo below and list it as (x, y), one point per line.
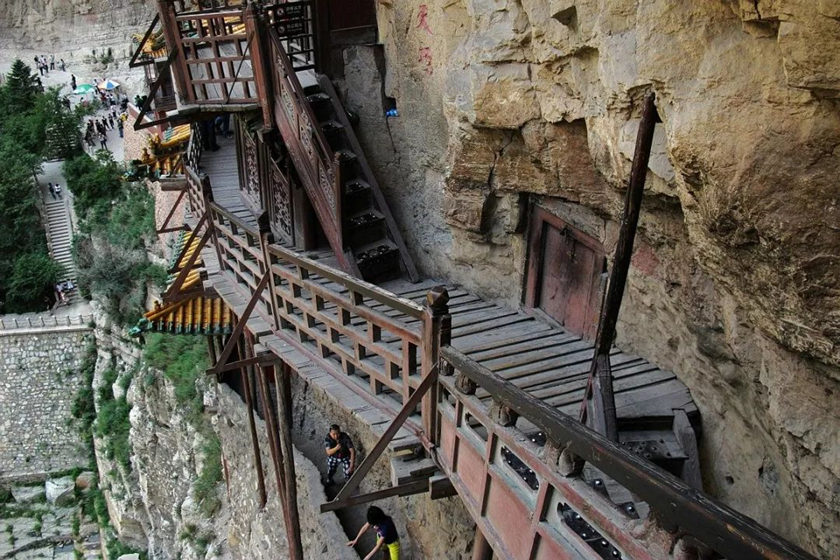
(33, 277)
(21, 89)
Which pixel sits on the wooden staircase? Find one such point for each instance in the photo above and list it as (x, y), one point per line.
(369, 230)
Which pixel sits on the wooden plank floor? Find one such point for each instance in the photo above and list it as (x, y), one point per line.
(549, 362)
(221, 167)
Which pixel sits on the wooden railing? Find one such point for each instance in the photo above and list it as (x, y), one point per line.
(213, 64)
(342, 318)
(527, 480)
(308, 147)
(294, 25)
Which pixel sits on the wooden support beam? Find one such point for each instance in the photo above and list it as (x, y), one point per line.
(252, 428)
(618, 275)
(164, 228)
(282, 378)
(406, 411)
(253, 361)
(481, 546)
(240, 325)
(406, 489)
(188, 242)
(133, 62)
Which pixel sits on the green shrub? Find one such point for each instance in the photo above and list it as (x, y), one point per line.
(211, 473)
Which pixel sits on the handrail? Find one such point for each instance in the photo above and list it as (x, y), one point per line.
(290, 74)
(352, 283)
(43, 321)
(677, 505)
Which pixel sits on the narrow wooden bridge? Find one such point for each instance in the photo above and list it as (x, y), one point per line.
(486, 396)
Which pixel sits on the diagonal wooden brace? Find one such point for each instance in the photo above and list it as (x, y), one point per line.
(240, 326)
(133, 62)
(406, 411)
(187, 268)
(187, 244)
(164, 228)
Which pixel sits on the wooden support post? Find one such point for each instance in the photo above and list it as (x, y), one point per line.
(279, 459)
(171, 32)
(266, 239)
(481, 547)
(282, 377)
(618, 276)
(435, 315)
(262, 78)
(252, 428)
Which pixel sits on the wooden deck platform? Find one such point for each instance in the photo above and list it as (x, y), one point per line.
(539, 357)
(221, 166)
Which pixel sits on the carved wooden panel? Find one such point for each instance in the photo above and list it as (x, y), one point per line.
(251, 184)
(281, 204)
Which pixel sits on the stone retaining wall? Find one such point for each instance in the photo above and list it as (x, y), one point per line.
(38, 383)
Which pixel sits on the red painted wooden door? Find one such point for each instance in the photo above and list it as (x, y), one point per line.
(564, 274)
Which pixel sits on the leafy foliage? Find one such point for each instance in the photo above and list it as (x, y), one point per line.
(33, 124)
(116, 219)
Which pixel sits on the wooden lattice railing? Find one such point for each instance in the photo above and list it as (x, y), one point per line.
(342, 318)
(516, 463)
(212, 63)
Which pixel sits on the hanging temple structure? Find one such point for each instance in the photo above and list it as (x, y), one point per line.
(290, 263)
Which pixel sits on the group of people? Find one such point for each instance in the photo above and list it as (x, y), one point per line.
(44, 65)
(340, 451)
(97, 129)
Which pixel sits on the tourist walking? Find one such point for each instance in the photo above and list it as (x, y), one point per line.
(340, 450)
(57, 189)
(52, 190)
(120, 127)
(387, 538)
(73, 82)
(103, 141)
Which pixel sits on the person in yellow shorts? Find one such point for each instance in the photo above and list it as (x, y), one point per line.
(387, 538)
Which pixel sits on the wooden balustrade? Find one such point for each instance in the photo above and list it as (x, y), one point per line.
(308, 147)
(506, 478)
(344, 319)
(214, 63)
(294, 25)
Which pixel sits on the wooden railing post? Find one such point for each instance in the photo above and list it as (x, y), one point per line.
(262, 79)
(166, 11)
(266, 239)
(435, 316)
(207, 201)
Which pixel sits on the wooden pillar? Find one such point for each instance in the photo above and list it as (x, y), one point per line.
(266, 239)
(166, 11)
(252, 426)
(481, 547)
(600, 368)
(282, 377)
(257, 40)
(435, 316)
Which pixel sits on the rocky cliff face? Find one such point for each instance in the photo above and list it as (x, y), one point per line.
(72, 28)
(735, 281)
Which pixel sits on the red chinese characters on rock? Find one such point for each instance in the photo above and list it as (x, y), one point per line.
(426, 59)
(423, 18)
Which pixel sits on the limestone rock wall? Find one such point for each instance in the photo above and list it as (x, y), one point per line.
(734, 285)
(72, 28)
(37, 388)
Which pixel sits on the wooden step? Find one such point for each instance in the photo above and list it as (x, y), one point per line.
(411, 469)
(378, 262)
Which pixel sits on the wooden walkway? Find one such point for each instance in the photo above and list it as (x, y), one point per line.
(223, 171)
(536, 356)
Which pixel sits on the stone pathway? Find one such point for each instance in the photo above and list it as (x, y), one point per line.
(60, 221)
